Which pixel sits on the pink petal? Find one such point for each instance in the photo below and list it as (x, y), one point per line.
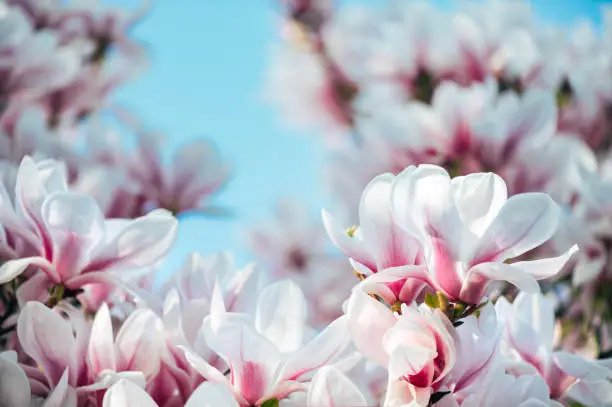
(47, 338)
(75, 225)
(253, 359)
(140, 343)
(101, 350)
(478, 278)
(141, 243)
(523, 223)
(390, 245)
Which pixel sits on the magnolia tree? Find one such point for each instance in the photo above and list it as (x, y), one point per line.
(472, 213)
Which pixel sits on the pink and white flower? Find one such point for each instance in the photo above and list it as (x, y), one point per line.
(528, 336)
(74, 245)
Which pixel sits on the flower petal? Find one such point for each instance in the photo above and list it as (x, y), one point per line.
(523, 223)
(368, 322)
(47, 338)
(15, 389)
(75, 225)
(281, 315)
(212, 395)
(140, 343)
(142, 242)
(127, 394)
(320, 351)
(101, 350)
(331, 388)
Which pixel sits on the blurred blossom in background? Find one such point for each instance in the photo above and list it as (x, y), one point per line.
(209, 64)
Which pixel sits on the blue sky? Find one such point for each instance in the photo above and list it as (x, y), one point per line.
(209, 58)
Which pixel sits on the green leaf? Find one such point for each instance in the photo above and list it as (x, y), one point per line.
(432, 300)
(271, 403)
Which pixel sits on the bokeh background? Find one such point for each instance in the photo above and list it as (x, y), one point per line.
(208, 66)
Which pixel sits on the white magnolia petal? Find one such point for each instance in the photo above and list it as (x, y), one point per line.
(101, 350)
(331, 388)
(545, 268)
(350, 246)
(523, 223)
(15, 389)
(140, 342)
(47, 338)
(368, 322)
(210, 394)
(478, 197)
(281, 315)
(127, 394)
(320, 351)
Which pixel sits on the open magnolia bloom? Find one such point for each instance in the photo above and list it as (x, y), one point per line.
(456, 235)
(528, 338)
(266, 354)
(75, 360)
(72, 242)
(421, 353)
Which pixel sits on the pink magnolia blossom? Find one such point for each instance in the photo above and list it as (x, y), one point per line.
(32, 63)
(528, 336)
(66, 364)
(266, 352)
(194, 175)
(421, 353)
(74, 245)
(188, 300)
(462, 232)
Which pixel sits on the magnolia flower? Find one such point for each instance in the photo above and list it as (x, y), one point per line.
(105, 27)
(528, 337)
(64, 367)
(462, 232)
(32, 62)
(325, 92)
(421, 353)
(188, 296)
(194, 175)
(266, 356)
(74, 244)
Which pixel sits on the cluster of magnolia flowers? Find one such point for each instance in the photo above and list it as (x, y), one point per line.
(469, 161)
(483, 86)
